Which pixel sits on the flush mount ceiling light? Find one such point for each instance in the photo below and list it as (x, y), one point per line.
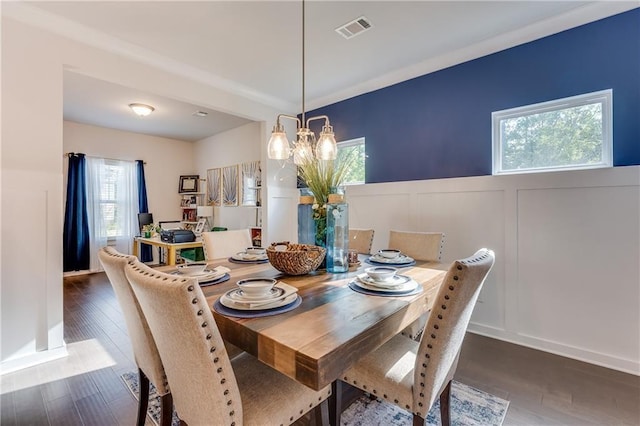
(305, 148)
(141, 109)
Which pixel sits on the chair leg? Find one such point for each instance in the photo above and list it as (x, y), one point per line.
(143, 397)
(335, 405)
(445, 405)
(418, 420)
(166, 411)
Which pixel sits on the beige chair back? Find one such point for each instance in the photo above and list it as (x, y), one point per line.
(425, 246)
(222, 244)
(361, 240)
(446, 327)
(189, 341)
(144, 346)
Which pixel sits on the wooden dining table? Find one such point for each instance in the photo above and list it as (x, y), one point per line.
(332, 328)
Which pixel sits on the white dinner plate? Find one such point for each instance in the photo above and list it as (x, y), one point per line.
(393, 283)
(230, 303)
(396, 260)
(207, 275)
(410, 285)
(242, 256)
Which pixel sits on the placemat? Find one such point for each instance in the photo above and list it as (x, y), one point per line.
(222, 279)
(221, 309)
(244, 262)
(353, 286)
(395, 265)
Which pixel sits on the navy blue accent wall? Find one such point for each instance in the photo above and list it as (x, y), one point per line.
(439, 125)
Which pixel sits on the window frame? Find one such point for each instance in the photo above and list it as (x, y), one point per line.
(354, 142)
(605, 97)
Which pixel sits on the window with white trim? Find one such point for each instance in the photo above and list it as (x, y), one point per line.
(564, 134)
(354, 147)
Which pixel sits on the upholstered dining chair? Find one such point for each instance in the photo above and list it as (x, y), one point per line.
(221, 244)
(361, 240)
(413, 374)
(150, 368)
(425, 246)
(207, 387)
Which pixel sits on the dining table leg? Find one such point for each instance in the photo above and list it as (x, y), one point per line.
(171, 256)
(135, 247)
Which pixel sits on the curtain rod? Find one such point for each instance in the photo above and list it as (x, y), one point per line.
(69, 154)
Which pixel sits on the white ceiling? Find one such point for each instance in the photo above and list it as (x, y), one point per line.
(254, 49)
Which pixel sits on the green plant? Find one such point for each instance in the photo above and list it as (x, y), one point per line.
(321, 176)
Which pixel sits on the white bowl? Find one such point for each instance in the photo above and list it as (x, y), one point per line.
(389, 253)
(256, 287)
(257, 251)
(381, 273)
(194, 268)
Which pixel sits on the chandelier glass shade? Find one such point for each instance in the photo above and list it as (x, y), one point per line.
(305, 147)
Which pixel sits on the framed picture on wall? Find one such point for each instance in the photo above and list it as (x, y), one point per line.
(214, 187)
(230, 185)
(188, 183)
(250, 183)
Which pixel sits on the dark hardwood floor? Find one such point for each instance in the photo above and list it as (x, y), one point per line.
(85, 388)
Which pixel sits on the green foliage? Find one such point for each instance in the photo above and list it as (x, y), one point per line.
(355, 173)
(557, 138)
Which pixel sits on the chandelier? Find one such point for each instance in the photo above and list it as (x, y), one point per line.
(305, 148)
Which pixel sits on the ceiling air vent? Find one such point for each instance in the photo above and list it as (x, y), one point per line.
(355, 27)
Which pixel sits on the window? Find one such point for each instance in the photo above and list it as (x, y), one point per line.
(354, 147)
(564, 134)
(112, 205)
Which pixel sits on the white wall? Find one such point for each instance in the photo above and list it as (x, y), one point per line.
(32, 172)
(566, 278)
(231, 148)
(166, 159)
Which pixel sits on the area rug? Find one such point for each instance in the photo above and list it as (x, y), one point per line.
(469, 407)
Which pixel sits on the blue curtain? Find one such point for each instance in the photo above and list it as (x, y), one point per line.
(146, 254)
(76, 222)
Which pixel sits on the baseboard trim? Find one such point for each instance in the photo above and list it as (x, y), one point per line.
(579, 354)
(31, 360)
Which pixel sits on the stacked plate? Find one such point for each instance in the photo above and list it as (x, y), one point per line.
(400, 284)
(399, 260)
(208, 276)
(279, 296)
(244, 257)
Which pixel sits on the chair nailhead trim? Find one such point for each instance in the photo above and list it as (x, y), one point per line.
(219, 370)
(194, 301)
(226, 392)
(190, 288)
(459, 268)
(209, 337)
(200, 312)
(213, 349)
(204, 324)
(451, 287)
(216, 359)
(229, 403)
(385, 396)
(223, 381)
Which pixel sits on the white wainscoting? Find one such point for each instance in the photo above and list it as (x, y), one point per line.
(566, 278)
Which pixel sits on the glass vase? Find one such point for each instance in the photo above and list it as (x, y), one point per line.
(337, 236)
(306, 224)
